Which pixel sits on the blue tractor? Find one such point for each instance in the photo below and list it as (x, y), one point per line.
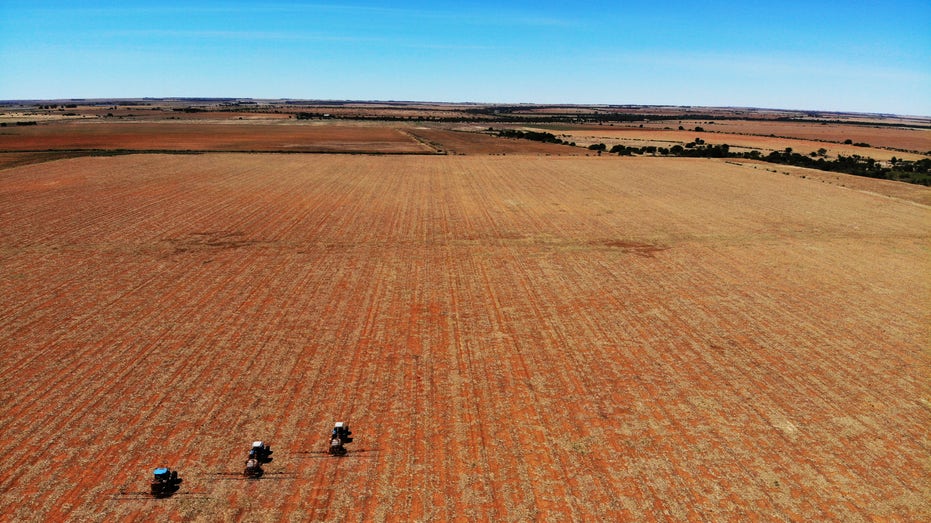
(165, 482)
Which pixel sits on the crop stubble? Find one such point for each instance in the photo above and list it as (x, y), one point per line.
(511, 338)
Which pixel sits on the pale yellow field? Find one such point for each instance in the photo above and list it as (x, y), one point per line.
(636, 137)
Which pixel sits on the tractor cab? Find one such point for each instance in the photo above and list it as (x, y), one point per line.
(260, 451)
(162, 474)
(165, 475)
(164, 482)
(340, 436)
(341, 431)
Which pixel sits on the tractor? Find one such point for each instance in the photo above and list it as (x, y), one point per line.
(340, 436)
(165, 482)
(260, 452)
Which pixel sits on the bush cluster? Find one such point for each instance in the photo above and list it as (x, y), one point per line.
(532, 135)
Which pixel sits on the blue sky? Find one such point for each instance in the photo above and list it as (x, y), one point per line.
(817, 55)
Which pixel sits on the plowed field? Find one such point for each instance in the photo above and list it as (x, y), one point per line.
(511, 338)
(900, 138)
(476, 142)
(228, 136)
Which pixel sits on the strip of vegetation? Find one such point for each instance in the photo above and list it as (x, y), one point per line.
(496, 115)
(532, 135)
(917, 172)
(510, 115)
(519, 114)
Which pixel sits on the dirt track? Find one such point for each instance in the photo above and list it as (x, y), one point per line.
(510, 338)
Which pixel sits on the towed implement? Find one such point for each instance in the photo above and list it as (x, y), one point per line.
(253, 469)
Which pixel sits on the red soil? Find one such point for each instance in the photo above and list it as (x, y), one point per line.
(900, 138)
(473, 142)
(212, 136)
(510, 338)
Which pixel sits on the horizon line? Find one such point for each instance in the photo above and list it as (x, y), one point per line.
(391, 101)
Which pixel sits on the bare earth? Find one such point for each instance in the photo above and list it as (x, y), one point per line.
(512, 338)
(209, 136)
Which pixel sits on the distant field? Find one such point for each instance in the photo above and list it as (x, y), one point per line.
(473, 141)
(210, 136)
(510, 337)
(423, 128)
(896, 137)
(634, 136)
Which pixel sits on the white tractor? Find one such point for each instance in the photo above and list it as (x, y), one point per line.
(261, 452)
(340, 436)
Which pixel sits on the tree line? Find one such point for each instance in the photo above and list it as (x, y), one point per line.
(537, 136)
(917, 172)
